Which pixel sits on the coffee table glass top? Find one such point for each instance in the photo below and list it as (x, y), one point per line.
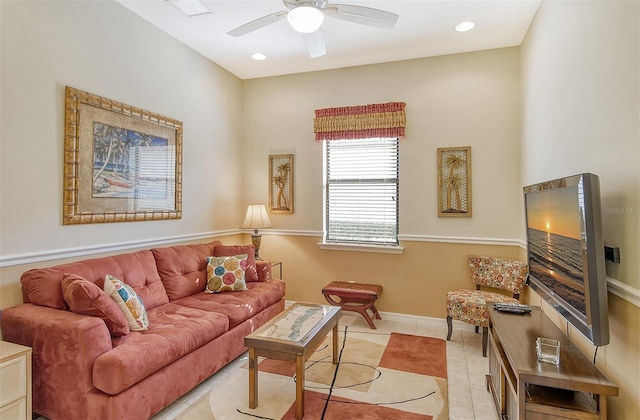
(295, 324)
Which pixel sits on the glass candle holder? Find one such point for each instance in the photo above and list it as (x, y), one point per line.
(548, 350)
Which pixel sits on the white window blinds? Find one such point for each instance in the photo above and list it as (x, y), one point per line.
(154, 168)
(361, 191)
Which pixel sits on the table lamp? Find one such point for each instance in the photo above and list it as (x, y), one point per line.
(255, 219)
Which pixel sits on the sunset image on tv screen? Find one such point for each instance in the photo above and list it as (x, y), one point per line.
(555, 253)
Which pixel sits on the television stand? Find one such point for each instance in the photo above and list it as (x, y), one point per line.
(525, 388)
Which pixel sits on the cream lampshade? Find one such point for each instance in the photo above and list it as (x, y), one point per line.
(255, 219)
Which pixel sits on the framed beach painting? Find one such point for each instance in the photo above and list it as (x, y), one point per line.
(121, 163)
(454, 182)
(281, 183)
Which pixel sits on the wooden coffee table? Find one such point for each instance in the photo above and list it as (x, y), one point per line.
(292, 336)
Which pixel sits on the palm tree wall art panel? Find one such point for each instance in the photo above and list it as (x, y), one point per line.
(121, 163)
(281, 183)
(454, 182)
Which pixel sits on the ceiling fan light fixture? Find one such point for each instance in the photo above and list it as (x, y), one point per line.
(305, 19)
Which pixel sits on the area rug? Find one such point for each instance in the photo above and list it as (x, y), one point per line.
(379, 376)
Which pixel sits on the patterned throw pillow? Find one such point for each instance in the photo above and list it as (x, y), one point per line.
(128, 301)
(251, 272)
(226, 274)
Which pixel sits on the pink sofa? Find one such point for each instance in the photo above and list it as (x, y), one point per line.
(82, 371)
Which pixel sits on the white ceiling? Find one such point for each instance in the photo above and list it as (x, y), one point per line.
(425, 28)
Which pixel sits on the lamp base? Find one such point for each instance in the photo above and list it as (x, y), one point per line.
(256, 240)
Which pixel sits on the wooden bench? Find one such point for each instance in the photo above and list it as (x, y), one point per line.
(356, 297)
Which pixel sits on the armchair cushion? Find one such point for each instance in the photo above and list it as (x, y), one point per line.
(498, 273)
(470, 306)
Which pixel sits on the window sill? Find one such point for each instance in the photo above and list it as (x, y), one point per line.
(361, 248)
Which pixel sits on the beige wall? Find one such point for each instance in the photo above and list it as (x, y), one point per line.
(581, 113)
(468, 99)
(458, 100)
(103, 48)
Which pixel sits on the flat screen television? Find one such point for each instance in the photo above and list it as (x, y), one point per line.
(566, 251)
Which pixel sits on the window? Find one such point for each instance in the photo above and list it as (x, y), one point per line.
(361, 191)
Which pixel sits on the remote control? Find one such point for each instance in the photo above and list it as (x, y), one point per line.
(511, 305)
(513, 310)
(508, 304)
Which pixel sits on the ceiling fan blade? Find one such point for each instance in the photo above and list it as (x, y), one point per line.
(362, 15)
(254, 25)
(315, 43)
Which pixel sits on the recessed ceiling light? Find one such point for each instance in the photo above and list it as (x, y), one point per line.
(191, 7)
(465, 26)
(258, 56)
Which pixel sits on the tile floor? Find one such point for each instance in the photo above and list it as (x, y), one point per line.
(466, 368)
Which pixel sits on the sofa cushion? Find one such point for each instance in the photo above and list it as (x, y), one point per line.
(238, 306)
(43, 286)
(128, 301)
(86, 298)
(229, 250)
(267, 293)
(183, 269)
(264, 270)
(226, 274)
(174, 331)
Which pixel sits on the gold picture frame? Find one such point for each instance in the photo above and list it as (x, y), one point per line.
(121, 163)
(281, 183)
(454, 182)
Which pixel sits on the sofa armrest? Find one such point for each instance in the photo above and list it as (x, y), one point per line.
(65, 346)
(264, 270)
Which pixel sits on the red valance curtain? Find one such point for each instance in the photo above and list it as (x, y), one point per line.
(360, 122)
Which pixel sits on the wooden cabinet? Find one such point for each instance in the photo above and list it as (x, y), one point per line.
(523, 387)
(15, 381)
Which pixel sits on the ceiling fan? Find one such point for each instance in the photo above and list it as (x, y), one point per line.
(306, 17)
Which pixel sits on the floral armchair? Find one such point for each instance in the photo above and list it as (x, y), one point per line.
(470, 306)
